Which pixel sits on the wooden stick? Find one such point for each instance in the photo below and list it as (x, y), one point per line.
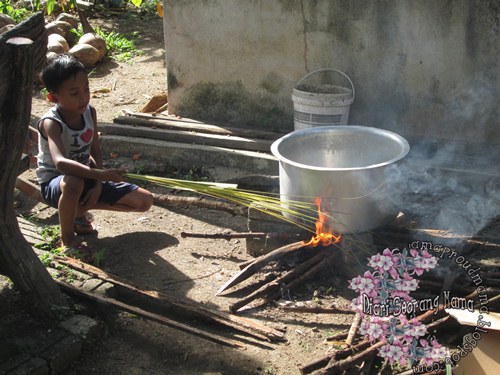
(273, 287)
(337, 336)
(340, 354)
(225, 235)
(338, 367)
(354, 328)
(312, 270)
(321, 362)
(231, 235)
(259, 262)
(232, 321)
(147, 315)
(29, 189)
(318, 310)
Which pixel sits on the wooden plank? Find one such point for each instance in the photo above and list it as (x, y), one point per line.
(170, 122)
(188, 136)
(68, 288)
(183, 308)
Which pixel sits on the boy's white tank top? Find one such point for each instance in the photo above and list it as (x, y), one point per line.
(77, 144)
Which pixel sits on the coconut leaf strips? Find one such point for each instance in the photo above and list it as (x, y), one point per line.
(298, 213)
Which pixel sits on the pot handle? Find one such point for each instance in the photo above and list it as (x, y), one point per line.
(328, 69)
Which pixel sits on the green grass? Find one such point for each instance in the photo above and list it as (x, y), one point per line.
(50, 244)
(14, 11)
(119, 47)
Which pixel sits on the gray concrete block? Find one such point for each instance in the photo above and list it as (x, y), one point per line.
(181, 155)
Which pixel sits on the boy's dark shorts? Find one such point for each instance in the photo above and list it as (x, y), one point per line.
(111, 193)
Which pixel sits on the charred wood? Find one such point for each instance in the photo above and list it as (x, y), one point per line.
(259, 262)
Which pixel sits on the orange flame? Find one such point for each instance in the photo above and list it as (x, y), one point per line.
(323, 236)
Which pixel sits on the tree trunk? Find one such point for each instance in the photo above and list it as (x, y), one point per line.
(17, 259)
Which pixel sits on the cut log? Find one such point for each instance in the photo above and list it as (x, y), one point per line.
(174, 123)
(236, 142)
(338, 367)
(32, 28)
(338, 355)
(31, 190)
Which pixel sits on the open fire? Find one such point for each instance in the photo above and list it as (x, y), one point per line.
(324, 235)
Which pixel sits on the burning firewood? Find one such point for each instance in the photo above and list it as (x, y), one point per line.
(273, 289)
(259, 262)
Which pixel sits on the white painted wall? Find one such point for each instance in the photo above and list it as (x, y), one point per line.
(420, 68)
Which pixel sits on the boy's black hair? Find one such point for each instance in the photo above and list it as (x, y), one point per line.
(59, 69)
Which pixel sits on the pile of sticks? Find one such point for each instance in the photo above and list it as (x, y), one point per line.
(358, 357)
(315, 258)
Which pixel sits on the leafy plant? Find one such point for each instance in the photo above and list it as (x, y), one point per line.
(17, 14)
(118, 46)
(99, 256)
(50, 236)
(44, 92)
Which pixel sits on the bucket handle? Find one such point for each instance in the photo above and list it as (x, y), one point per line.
(331, 69)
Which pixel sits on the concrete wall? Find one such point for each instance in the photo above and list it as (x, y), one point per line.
(420, 68)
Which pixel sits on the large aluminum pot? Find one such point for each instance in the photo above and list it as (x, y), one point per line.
(351, 168)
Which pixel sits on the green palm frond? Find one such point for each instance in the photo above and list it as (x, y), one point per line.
(299, 213)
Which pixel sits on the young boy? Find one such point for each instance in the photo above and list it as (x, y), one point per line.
(69, 168)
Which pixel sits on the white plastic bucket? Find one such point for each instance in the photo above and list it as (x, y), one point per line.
(321, 104)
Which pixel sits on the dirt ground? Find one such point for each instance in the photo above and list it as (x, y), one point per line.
(148, 250)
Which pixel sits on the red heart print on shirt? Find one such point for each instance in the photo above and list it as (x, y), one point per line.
(87, 136)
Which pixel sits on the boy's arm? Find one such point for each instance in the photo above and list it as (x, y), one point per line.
(95, 150)
(52, 131)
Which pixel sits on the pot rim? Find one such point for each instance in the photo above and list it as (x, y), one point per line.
(405, 147)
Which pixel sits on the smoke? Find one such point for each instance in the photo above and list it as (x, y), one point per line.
(451, 186)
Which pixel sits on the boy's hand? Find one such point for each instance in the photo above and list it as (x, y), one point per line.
(115, 175)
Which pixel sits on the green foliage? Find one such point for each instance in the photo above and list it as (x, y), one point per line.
(44, 92)
(137, 3)
(99, 256)
(50, 236)
(149, 8)
(118, 46)
(17, 14)
(50, 6)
